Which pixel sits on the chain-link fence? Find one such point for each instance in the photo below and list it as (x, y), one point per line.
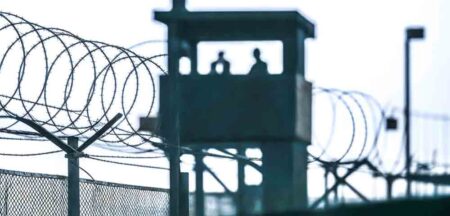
(28, 194)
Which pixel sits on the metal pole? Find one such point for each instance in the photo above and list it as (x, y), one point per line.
(73, 154)
(411, 33)
(436, 190)
(171, 132)
(326, 187)
(241, 183)
(407, 120)
(179, 5)
(193, 57)
(389, 182)
(336, 198)
(184, 194)
(73, 180)
(199, 192)
(174, 182)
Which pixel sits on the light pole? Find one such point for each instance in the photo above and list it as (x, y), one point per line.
(411, 34)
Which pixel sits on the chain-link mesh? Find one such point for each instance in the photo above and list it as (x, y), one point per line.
(27, 194)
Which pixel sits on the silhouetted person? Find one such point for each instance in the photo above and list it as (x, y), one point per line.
(220, 61)
(260, 67)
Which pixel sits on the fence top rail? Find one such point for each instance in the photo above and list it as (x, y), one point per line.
(31, 174)
(127, 186)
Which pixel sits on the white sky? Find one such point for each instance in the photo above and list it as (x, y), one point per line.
(359, 46)
(358, 43)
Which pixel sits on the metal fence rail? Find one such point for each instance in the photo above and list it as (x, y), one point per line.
(23, 193)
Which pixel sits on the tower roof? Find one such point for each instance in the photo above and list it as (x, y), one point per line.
(237, 25)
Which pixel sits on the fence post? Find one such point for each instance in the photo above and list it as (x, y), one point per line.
(326, 203)
(73, 180)
(241, 205)
(184, 194)
(199, 193)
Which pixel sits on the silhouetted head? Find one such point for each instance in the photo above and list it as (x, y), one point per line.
(221, 54)
(256, 53)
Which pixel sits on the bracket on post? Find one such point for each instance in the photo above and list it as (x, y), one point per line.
(73, 153)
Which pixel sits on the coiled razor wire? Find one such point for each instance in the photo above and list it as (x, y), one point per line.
(71, 85)
(366, 118)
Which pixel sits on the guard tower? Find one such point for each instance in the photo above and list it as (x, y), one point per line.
(271, 112)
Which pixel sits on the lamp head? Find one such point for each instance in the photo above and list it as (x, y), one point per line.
(415, 33)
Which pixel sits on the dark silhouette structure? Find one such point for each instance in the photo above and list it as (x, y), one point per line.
(221, 112)
(221, 61)
(260, 67)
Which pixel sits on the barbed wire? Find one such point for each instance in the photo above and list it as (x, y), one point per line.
(127, 157)
(30, 154)
(127, 164)
(370, 148)
(353, 106)
(71, 85)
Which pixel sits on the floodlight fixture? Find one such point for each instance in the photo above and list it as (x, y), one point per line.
(415, 33)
